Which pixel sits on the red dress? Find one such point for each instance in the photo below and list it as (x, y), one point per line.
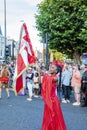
(53, 117)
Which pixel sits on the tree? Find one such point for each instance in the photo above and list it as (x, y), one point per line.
(57, 55)
(66, 22)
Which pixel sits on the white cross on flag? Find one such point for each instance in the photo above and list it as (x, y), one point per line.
(25, 58)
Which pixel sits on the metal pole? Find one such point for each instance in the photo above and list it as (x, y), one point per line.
(13, 50)
(44, 53)
(47, 53)
(4, 30)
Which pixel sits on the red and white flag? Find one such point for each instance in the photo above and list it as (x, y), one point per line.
(25, 57)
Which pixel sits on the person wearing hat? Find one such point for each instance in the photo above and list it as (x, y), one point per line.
(52, 117)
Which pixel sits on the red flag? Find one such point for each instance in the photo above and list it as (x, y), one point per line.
(25, 58)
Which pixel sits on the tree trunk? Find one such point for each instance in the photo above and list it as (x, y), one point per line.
(76, 58)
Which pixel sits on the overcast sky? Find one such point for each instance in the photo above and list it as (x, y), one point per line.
(17, 10)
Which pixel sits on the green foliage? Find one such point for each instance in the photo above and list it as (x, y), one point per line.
(66, 22)
(9, 58)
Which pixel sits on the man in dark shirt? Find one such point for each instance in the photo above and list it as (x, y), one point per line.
(84, 88)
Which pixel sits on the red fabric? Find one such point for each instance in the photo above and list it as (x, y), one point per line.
(25, 57)
(4, 79)
(53, 117)
(19, 84)
(25, 41)
(20, 64)
(31, 57)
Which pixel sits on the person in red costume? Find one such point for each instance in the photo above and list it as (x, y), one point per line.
(4, 79)
(53, 117)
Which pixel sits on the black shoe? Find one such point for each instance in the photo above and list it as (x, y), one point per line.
(84, 105)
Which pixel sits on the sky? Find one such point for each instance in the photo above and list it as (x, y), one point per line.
(17, 11)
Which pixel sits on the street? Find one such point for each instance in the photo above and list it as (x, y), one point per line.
(17, 113)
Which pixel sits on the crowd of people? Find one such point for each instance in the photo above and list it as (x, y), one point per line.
(74, 79)
(54, 85)
(71, 78)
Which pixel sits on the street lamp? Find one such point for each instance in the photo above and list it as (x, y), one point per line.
(47, 52)
(5, 30)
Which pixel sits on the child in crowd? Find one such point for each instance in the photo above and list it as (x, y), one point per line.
(36, 84)
(29, 79)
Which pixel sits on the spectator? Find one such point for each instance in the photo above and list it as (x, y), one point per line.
(4, 80)
(84, 87)
(76, 84)
(66, 78)
(36, 84)
(29, 79)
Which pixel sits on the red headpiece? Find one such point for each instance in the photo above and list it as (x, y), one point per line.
(58, 63)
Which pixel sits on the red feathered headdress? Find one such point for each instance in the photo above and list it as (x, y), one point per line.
(58, 63)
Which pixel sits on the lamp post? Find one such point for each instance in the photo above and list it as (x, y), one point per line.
(13, 45)
(47, 52)
(5, 30)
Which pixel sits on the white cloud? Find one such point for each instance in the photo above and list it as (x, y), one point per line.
(34, 2)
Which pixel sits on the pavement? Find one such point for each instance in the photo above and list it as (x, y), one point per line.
(17, 113)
